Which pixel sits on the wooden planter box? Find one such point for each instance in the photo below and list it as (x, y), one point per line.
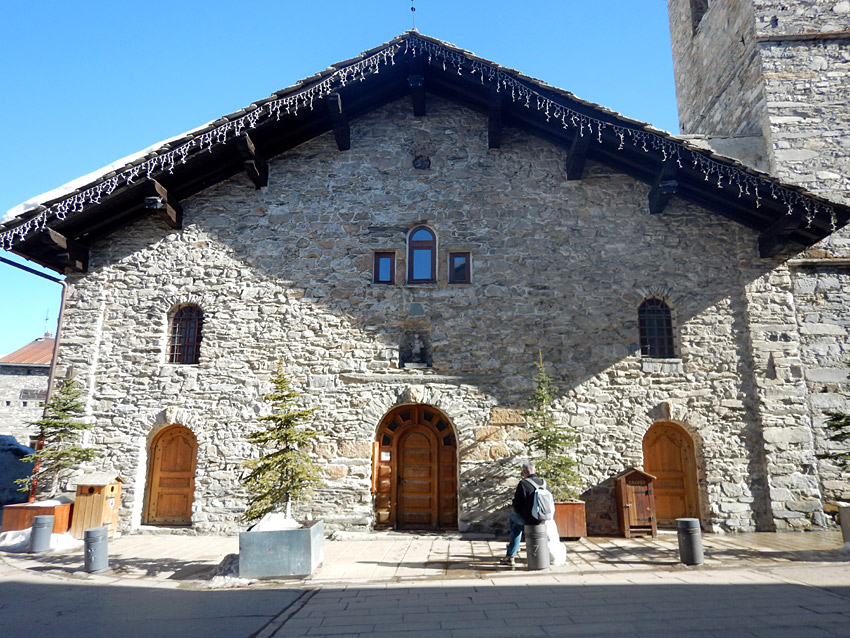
(282, 553)
(570, 519)
(20, 516)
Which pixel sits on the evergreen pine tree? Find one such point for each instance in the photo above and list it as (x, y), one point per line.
(59, 433)
(838, 428)
(551, 441)
(285, 472)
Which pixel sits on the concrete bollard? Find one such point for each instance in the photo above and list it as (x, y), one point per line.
(42, 528)
(690, 541)
(536, 547)
(97, 557)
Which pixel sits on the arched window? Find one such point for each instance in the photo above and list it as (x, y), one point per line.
(422, 256)
(184, 345)
(656, 329)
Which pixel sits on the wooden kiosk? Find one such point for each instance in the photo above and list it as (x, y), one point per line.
(636, 503)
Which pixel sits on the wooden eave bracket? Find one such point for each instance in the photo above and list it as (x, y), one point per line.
(577, 155)
(255, 166)
(494, 119)
(166, 206)
(666, 185)
(772, 237)
(342, 132)
(72, 254)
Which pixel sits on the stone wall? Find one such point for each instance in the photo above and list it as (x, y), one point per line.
(22, 392)
(822, 292)
(558, 267)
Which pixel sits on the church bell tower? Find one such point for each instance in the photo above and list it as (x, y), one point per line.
(768, 82)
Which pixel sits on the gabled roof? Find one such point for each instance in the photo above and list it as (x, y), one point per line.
(36, 353)
(58, 232)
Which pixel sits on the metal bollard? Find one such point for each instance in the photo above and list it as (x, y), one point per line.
(42, 528)
(97, 558)
(690, 541)
(844, 521)
(536, 547)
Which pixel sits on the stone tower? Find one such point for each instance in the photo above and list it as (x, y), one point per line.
(768, 82)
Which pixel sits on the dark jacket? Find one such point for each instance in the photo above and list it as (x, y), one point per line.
(524, 499)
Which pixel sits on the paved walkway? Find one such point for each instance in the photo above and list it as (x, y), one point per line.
(386, 584)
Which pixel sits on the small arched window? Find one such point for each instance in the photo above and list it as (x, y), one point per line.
(184, 344)
(656, 329)
(422, 256)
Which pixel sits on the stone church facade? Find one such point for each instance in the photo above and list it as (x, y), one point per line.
(407, 244)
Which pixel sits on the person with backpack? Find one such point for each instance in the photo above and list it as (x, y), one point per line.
(524, 503)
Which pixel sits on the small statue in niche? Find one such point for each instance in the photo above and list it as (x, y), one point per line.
(415, 351)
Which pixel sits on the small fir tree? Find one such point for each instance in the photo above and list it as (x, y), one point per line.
(550, 441)
(838, 431)
(285, 472)
(57, 449)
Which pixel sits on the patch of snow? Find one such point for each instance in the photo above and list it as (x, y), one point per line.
(557, 550)
(275, 521)
(226, 574)
(18, 542)
(90, 178)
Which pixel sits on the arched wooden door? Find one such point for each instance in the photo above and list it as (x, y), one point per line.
(668, 454)
(415, 470)
(171, 477)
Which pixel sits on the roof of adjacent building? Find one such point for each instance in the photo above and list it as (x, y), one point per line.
(35, 353)
(58, 229)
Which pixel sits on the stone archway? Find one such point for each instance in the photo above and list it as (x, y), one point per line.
(415, 469)
(170, 485)
(668, 454)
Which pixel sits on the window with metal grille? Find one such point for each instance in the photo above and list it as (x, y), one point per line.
(185, 342)
(656, 329)
(422, 256)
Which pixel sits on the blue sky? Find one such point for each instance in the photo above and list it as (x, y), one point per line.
(88, 82)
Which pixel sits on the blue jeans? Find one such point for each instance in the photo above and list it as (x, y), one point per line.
(517, 522)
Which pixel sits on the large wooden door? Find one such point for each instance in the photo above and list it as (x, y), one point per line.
(417, 479)
(668, 454)
(171, 477)
(415, 470)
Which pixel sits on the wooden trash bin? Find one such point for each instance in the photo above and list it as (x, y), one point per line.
(636, 503)
(97, 503)
(20, 516)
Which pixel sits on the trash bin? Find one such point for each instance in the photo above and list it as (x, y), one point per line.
(690, 541)
(97, 556)
(536, 547)
(42, 528)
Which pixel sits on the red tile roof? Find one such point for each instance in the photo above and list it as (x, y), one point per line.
(39, 352)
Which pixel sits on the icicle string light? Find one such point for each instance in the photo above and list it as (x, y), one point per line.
(165, 160)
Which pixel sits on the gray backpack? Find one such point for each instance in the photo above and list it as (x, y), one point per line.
(543, 508)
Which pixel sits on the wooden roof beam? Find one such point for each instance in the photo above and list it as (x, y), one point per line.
(416, 82)
(772, 238)
(577, 155)
(255, 166)
(164, 204)
(342, 132)
(666, 185)
(494, 119)
(72, 254)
